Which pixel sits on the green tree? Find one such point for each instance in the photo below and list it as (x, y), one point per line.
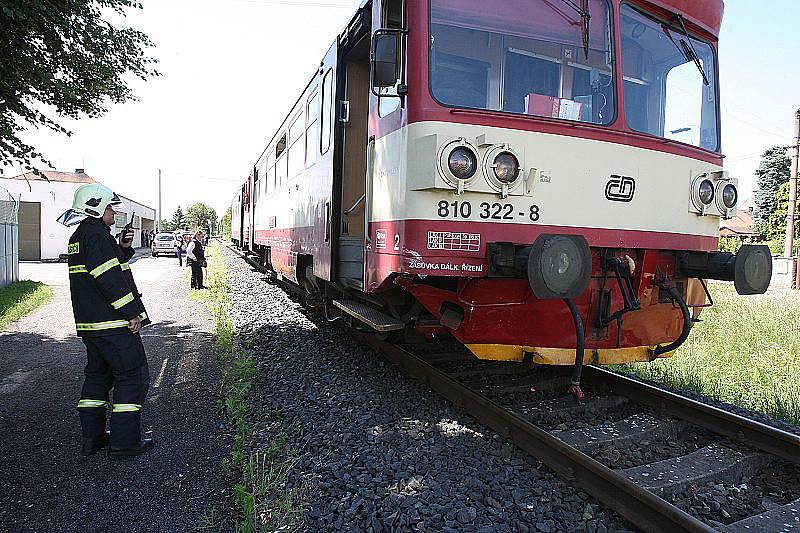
(225, 223)
(166, 226)
(64, 56)
(178, 220)
(776, 226)
(773, 171)
(201, 216)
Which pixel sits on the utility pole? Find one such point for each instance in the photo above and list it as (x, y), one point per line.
(158, 217)
(789, 242)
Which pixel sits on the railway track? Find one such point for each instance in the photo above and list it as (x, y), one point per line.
(588, 443)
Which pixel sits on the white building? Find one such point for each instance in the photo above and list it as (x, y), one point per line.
(41, 238)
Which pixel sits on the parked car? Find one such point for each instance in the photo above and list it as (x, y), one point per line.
(163, 244)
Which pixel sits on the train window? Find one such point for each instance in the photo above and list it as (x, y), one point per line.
(391, 17)
(280, 170)
(665, 93)
(297, 147)
(327, 118)
(392, 14)
(312, 129)
(280, 147)
(535, 58)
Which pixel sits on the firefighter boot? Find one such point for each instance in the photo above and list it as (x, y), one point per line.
(144, 446)
(92, 446)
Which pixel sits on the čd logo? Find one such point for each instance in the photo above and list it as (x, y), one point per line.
(620, 188)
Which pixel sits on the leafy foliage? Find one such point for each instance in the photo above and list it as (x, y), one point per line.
(776, 225)
(165, 226)
(201, 216)
(225, 223)
(773, 171)
(64, 57)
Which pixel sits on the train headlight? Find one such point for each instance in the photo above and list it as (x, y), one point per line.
(730, 196)
(462, 162)
(706, 192)
(506, 167)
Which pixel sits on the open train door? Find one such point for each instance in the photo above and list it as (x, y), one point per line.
(352, 141)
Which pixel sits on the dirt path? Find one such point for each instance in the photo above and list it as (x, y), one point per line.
(48, 485)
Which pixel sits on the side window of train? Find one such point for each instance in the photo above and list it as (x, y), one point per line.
(312, 129)
(297, 147)
(391, 18)
(327, 120)
(280, 161)
(269, 175)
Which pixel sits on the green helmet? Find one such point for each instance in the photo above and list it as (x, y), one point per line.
(90, 201)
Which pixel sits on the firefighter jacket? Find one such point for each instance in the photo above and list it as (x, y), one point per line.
(104, 295)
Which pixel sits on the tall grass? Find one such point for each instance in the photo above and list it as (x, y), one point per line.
(746, 351)
(21, 299)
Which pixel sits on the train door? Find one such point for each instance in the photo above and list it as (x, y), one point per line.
(354, 87)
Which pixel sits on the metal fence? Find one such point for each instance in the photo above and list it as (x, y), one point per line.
(9, 238)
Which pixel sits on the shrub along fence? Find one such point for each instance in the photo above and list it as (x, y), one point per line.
(9, 239)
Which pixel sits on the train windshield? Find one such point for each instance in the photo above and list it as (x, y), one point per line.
(548, 58)
(670, 81)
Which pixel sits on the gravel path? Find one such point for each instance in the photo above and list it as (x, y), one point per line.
(48, 485)
(374, 450)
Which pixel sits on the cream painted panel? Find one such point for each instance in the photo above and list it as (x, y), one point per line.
(578, 171)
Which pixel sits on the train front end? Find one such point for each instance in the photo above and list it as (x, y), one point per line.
(560, 183)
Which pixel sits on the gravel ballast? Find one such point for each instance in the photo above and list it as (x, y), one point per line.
(372, 449)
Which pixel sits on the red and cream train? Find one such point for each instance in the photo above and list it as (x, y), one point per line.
(543, 179)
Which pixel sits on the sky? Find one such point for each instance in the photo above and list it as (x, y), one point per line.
(231, 69)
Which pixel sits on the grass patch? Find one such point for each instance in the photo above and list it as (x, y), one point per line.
(262, 500)
(746, 351)
(21, 299)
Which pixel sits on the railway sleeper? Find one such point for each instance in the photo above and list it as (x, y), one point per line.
(631, 430)
(567, 407)
(715, 462)
(783, 518)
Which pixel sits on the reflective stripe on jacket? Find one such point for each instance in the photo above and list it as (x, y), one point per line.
(104, 294)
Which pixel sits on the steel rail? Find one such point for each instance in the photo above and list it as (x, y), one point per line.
(755, 434)
(637, 505)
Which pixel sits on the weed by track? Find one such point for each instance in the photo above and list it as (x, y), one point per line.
(259, 474)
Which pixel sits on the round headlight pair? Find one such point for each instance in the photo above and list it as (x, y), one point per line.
(729, 194)
(463, 163)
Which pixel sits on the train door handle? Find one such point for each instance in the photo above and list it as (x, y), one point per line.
(327, 221)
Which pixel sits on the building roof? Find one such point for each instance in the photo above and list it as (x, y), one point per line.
(79, 176)
(740, 225)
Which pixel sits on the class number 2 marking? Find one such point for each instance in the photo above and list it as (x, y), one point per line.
(486, 211)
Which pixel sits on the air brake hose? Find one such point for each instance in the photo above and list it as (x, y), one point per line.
(580, 336)
(687, 321)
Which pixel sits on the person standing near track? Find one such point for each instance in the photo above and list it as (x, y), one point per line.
(179, 250)
(108, 317)
(196, 257)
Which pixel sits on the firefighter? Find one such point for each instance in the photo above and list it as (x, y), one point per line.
(108, 317)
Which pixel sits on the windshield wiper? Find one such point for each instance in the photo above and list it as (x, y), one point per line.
(583, 11)
(686, 50)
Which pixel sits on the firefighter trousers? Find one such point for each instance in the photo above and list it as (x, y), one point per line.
(118, 362)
